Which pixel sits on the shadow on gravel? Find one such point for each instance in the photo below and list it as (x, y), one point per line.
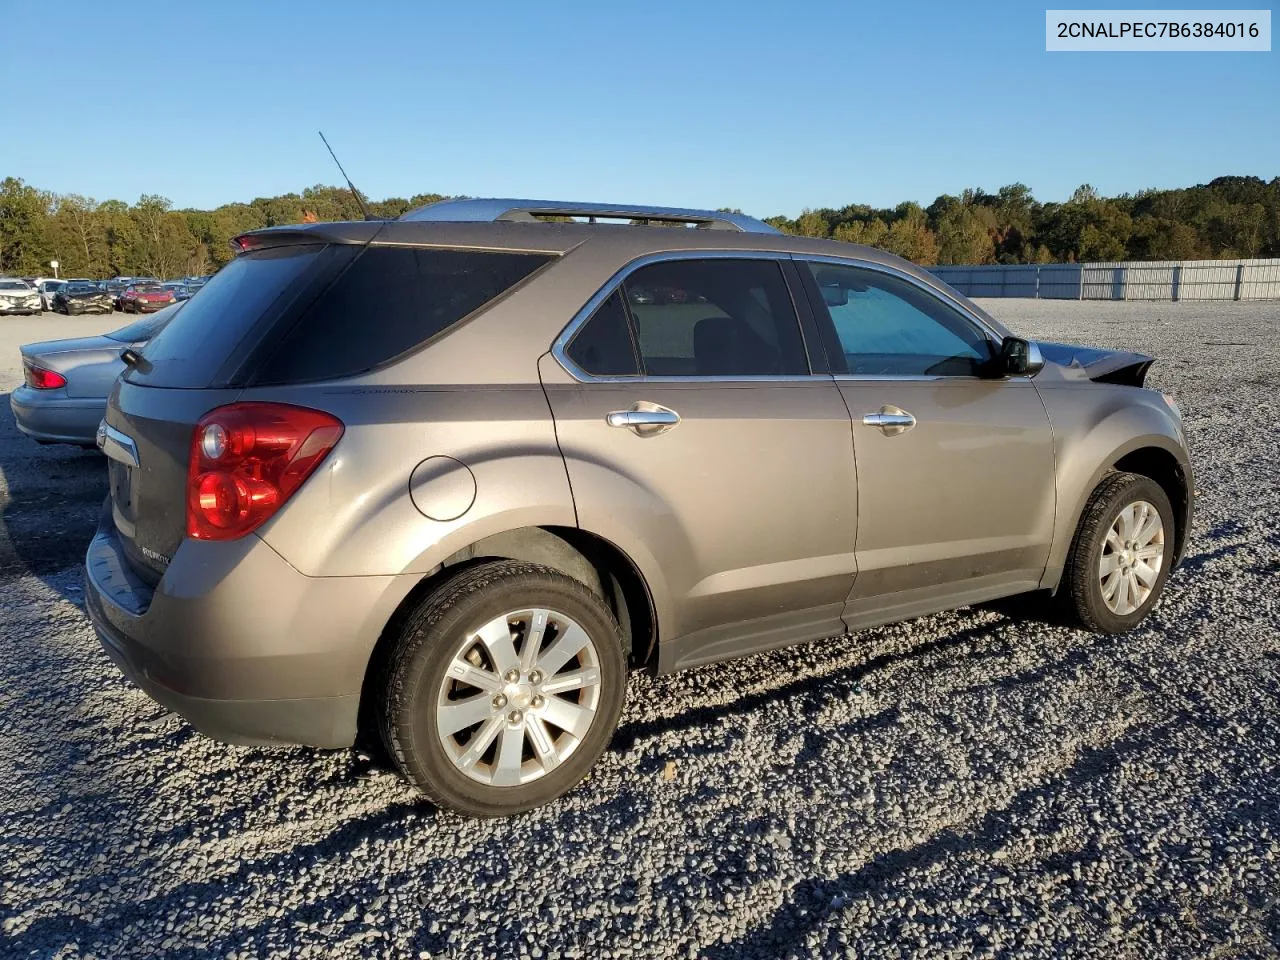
(817, 903)
(388, 823)
(811, 903)
(849, 676)
(51, 497)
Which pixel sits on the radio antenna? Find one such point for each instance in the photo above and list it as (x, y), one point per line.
(354, 192)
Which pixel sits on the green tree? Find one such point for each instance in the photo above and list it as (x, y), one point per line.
(872, 233)
(24, 242)
(911, 238)
(963, 237)
(812, 224)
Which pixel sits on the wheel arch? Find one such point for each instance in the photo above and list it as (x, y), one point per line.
(586, 557)
(1160, 465)
(1155, 455)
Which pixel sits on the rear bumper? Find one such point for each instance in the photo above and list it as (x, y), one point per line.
(54, 418)
(235, 640)
(317, 721)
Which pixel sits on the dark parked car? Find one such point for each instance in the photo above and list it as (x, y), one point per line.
(146, 298)
(78, 296)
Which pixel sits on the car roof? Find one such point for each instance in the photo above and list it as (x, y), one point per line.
(619, 243)
(560, 238)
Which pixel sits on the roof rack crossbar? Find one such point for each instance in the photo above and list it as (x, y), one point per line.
(490, 210)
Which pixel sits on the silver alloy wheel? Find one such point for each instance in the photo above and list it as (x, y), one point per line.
(1131, 558)
(518, 697)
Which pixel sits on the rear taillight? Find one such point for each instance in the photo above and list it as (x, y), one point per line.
(41, 379)
(247, 459)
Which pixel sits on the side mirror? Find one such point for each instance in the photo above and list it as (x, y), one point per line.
(1020, 358)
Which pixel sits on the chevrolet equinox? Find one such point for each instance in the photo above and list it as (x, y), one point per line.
(448, 478)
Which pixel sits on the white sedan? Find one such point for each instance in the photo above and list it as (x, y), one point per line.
(18, 296)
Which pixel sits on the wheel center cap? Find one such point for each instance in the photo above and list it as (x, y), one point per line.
(519, 694)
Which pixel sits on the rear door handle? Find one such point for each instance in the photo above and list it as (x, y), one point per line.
(891, 420)
(644, 419)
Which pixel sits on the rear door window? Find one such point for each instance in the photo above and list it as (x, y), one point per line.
(718, 317)
(603, 346)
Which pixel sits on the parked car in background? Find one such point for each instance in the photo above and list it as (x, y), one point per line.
(19, 296)
(118, 285)
(81, 296)
(115, 287)
(47, 286)
(66, 382)
(145, 298)
(448, 476)
(179, 289)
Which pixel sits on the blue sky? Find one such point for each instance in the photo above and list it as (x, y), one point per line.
(769, 107)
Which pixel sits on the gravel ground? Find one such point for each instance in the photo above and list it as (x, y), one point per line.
(959, 785)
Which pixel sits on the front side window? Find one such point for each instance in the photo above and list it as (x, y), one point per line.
(891, 327)
(714, 317)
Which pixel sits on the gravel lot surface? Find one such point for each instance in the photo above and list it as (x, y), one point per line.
(956, 785)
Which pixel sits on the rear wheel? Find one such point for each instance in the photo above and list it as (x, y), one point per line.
(503, 688)
(1122, 554)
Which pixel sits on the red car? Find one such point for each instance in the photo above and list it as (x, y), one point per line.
(145, 298)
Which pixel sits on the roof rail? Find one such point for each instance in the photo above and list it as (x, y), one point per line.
(489, 210)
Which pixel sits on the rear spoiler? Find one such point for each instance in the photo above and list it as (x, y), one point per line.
(347, 231)
(1102, 366)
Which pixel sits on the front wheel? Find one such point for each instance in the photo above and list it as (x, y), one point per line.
(503, 688)
(1122, 554)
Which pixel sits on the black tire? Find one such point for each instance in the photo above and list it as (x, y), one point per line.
(1081, 590)
(416, 666)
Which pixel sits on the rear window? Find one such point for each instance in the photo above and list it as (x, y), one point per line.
(193, 350)
(144, 329)
(390, 301)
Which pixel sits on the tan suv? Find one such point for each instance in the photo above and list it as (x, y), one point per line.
(450, 477)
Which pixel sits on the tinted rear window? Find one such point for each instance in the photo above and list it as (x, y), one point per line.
(389, 301)
(193, 349)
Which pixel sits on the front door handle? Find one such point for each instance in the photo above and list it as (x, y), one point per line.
(891, 420)
(644, 419)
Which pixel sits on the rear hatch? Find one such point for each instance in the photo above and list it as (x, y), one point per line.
(299, 311)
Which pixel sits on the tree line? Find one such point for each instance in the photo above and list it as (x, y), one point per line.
(1226, 218)
(96, 239)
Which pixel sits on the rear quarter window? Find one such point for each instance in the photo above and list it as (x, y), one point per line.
(388, 302)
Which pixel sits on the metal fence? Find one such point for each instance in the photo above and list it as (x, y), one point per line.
(1135, 280)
